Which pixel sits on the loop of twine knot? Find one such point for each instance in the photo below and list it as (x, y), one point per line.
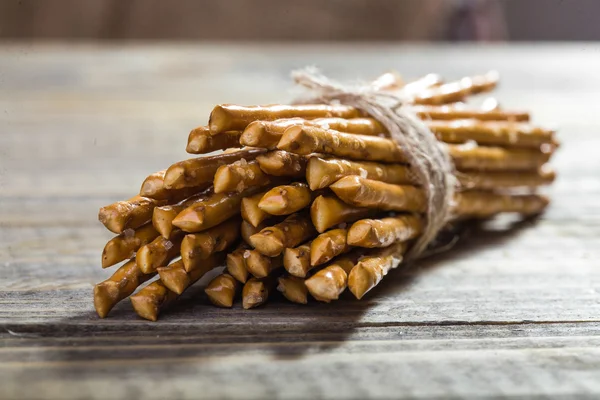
(429, 159)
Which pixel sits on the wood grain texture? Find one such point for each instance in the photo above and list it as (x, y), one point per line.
(513, 310)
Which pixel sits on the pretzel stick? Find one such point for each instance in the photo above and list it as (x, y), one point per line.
(480, 204)
(308, 139)
(282, 163)
(236, 265)
(328, 283)
(293, 289)
(158, 252)
(131, 213)
(328, 211)
(256, 292)
(453, 112)
(177, 279)
(457, 91)
(221, 290)
(370, 270)
(286, 199)
(195, 248)
(388, 81)
(239, 176)
(322, 172)
(200, 141)
(229, 117)
(328, 245)
(266, 134)
(384, 232)
(162, 217)
(251, 213)
(201, 170)
(272, 240)
(126, 244)
(500, 179)
(469, 157)
(260, 265)
(153, 187)
(361, 192)
(248, 230)
(422, 83)
(120, 285)
(296, 260)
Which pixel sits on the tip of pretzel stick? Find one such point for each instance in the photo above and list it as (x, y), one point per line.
(292, 139)
(293, 289)
(320, 286)
(252, 134)
(222, 179)
(174, 177)
(105, 296)
(107, 260)
(144, 307)
(319, 251)
(266, 244)
(109, 218)
(360, 233)
(175, 279)
(219, 120)
(189, 219)
(236, 267)
(292, 261)
(162, 222)
(274, 202)
(359, 281)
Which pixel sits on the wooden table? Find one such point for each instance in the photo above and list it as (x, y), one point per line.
(510, 312)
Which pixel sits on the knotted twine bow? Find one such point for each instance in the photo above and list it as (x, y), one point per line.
(429, 160)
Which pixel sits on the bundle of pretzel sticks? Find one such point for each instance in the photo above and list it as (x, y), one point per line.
(312, 199)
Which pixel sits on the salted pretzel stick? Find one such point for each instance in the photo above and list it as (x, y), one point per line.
(126, 244)
(177, 279)
(158, 252)
(454, 112)
(214, 209)
(152, 299)
(153, 187)
(236, 265)
(422, 83)
(286, 199)
(370, 270)
(296, 260)
(201, 170)
(196, 247)
(328, 211)
(361, 192)
(295, 229)
(495, 133)
(131, 213)
(251, 213)
(228, 117)
(322, 172)
(293, 289)
(221, 290)
(481, 204)
(260, 265)
(500, 179)
(162, 217)
(200, 141)
(120, 285)
(384, 232)
(306, 139)
(239, 176)
(457, 91)
(282, 163)
(256, 292)
(327, 246)
(328, 283)
(471, 157)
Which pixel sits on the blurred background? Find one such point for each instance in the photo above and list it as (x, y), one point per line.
(306, 20)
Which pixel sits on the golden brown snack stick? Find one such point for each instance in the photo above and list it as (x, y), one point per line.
(248, 230)
(236, 266)
(256, 292)
(266, 134)
(293, 289)
(286, 199)
(295, 229)
(328, 211)
(469, 157)
(328, 283)
(152, 299)
(283, 163)
(454, 112)
(126, 244)
(216, 208)
(482, 204)
(120, 285)
(239, 176)
(201, 170)
(306, 139)
(322, 172)
(159, 252)
(229, 117)
(361, 192)
(500, 179)
(260, 265)
(221, 290)
(251, 213)
(153, 187)
(296, 260)
(200, 141)
(494, 133)
(196, 247)
(457, 91)
(177, 279)
(328, 245)
(162, 217)
(131, 213)
(370, 270)
(384, 232)
(422, 83)
(391, 80)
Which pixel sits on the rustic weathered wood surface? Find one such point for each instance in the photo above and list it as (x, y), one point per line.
(509, 312)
